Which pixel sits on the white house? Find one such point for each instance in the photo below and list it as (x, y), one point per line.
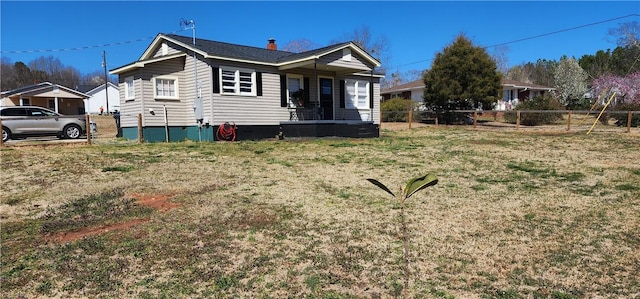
(99, 98)
(196, 89)
(512, 92)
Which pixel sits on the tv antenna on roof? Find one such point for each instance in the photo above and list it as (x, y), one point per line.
(187, 24)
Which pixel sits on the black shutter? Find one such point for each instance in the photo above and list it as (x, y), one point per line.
(371, 94)
(342, 104)
(306, 92)
(283, 91)
(259, 83)
(216, 80)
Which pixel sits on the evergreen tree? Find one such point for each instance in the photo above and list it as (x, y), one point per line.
(596, 65)
(463, 76)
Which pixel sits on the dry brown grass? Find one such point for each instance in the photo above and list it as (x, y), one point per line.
(515, 215)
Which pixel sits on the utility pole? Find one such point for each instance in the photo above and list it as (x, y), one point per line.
(106, 79)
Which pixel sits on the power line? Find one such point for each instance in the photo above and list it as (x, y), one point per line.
(81, 48)
(563, 30)
(538, 36)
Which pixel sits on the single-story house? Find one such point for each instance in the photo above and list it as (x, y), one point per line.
(56, 97)
(99, 97)
(187, 88)
(512, 92)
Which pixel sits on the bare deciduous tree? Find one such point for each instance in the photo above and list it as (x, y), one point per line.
(627, 34)
(299, 45)
(378, 47)
(499, 55)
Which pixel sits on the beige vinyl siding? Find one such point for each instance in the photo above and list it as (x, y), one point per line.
(178, 109)
(130, 119)
(335, 59)
(8, 102)
(188, 89)
(171, 49)
(376, 102)
(259, 110)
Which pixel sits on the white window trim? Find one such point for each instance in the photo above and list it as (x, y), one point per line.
(290, 92)
(129, 92)
(351, 101)
(176, 87)
(236, 89)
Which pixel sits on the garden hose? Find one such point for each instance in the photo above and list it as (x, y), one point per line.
(226, 132)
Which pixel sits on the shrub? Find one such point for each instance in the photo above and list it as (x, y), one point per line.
(395, 110)
(623, 118)
(536, 118)
(620, 118)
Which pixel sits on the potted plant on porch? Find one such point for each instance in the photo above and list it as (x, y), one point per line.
(298, 98)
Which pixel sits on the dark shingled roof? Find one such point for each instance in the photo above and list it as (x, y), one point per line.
(247, 52)
(232, 50)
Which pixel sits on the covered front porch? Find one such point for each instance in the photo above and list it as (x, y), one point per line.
(47, 95)
(306, 128)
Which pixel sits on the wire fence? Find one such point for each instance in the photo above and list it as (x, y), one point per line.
(103, 129)
(529, 120)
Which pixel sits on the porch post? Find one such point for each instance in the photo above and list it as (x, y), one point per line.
(315, 74)
(55, 101)
(372, 104)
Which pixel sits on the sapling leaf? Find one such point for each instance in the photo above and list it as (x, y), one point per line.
(381, 186)
(416, 184)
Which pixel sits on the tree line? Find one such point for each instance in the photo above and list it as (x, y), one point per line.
(464, 76)
(45, 69)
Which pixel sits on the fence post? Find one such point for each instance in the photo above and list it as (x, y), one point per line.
(475, 118)
(139, 127)
(517, 119)
(410, 116)
(88, 122)
(569, 121)
(629, 122)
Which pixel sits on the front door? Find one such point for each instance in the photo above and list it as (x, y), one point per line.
(326, 97)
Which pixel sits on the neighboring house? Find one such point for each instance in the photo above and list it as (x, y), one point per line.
(331, 91)
(512, 92)
(99, 98)
(56, 97)
(413, 90)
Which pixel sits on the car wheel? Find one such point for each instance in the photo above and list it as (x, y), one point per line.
(72, 132)
(6, 134)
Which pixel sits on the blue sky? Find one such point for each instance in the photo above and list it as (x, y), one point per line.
(77, 32)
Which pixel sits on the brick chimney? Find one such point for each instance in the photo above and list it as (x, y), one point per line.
(272, 44)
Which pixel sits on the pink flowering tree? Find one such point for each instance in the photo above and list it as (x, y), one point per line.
(627, 88)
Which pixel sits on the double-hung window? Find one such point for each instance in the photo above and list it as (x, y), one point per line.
(129, 92)
(294, 84)
(237, 81)
(357, 94)
(165, 88)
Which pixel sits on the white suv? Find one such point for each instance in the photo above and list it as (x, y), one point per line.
(24, 121)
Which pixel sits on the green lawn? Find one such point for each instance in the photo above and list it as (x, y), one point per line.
(514, 215)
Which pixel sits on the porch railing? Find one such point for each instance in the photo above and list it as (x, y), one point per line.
(306, 113)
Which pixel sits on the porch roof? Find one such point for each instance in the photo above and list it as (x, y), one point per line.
(44, 89)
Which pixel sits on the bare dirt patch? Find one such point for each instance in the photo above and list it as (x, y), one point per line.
(158, 202)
